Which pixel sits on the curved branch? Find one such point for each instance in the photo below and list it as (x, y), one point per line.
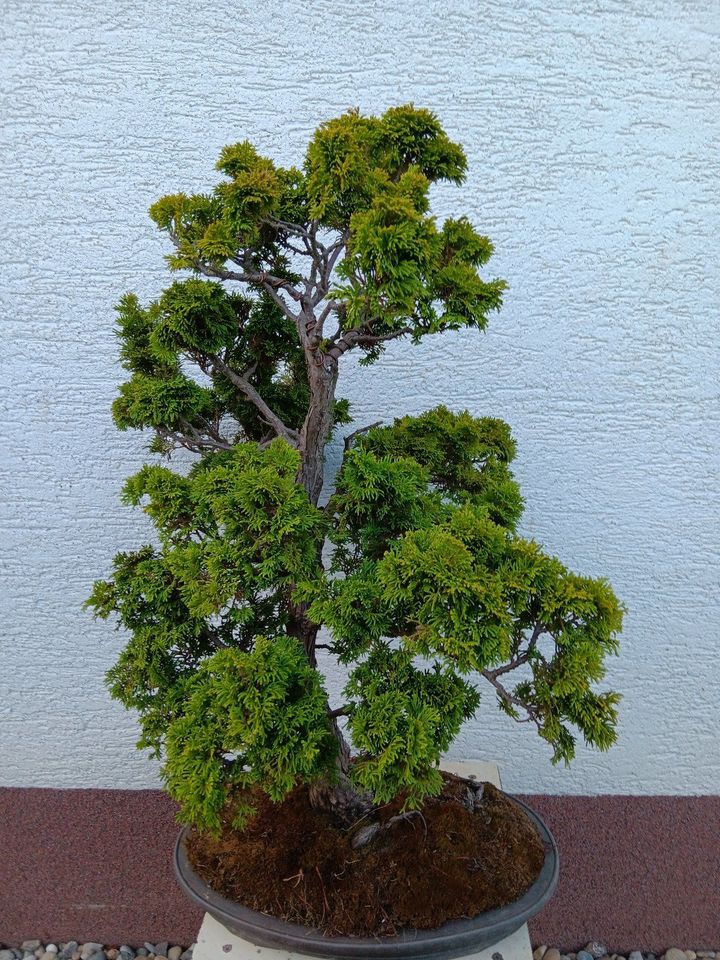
(356, 338)
(268, 281)
(244, 385)
(347, 442)
(287, 227)
(518, 659)
(511, 700)
(192, 439)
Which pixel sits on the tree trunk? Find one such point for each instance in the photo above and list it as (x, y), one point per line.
(339, 797)
(334, 795)
(301, 626)
(318, 424)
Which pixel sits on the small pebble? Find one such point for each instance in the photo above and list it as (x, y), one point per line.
(635, 955)
(584, 955)
(98, 955)
(150, 947)
(141, 952)
(76, 955)
(162, 948)
(126, 951)
(691, 955)
(88, 949)
(112, 953)
(187, 955)
(174, 953)
(364, 835)
(596, 949)
(674, 954)
(7, 955)
(51, 948)
(69, 949)
(49, 955)
(552, 954)
(539, 952)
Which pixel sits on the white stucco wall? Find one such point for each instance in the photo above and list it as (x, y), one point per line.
(593, 139)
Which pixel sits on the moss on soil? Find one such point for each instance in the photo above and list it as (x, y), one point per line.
(445, 863)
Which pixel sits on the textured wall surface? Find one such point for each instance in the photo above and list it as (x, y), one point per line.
(593, 139)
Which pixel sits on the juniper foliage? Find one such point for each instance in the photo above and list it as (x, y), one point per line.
(429, 590)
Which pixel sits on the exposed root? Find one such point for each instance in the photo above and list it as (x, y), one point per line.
(367, 833)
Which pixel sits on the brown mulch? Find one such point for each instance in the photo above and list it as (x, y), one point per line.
(444, 863)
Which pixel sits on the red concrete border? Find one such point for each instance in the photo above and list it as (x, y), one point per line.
(636, 872)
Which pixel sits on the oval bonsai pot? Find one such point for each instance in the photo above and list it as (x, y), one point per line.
(452, 939)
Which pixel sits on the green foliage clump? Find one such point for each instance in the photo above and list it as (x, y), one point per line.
(414, 566)
(257, 717)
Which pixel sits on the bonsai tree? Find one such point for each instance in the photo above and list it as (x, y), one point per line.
(413, 565)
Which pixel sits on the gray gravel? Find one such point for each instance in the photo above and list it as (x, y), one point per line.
(73, 950)
(90, 950)
(598, 951)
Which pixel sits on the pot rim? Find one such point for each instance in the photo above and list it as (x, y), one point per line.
(452, 938)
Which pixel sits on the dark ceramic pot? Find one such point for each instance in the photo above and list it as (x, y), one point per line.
(451, 940)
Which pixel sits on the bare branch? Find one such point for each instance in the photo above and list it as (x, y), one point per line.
(356, 338)
(287, 227)
(336, 249)
(244, 385)
(211, 437)
(340, 712)
(192, 439)
(511, 700)
(347, 443)
(329, 256)
(305, 252)
(275, 296)
(520, 658)
(327, 310)
(268, 281)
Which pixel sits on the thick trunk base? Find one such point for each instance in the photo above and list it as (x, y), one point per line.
(338, 797)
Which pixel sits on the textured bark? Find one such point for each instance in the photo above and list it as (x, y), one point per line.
(300, 626)
(335, 795)
(339, 797)
(318, 423)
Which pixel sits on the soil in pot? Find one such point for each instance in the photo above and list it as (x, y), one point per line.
(445, 863)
